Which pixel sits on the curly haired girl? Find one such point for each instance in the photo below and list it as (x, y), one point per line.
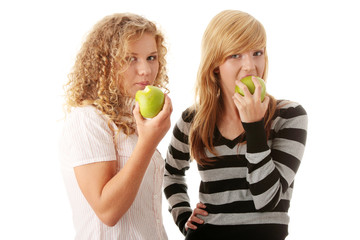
(112, 170)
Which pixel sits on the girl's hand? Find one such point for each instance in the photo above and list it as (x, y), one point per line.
(250, 107)
(199, 210)
(153, 130)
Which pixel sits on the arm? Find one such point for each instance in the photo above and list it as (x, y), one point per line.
(177, 162)
(272, 170)
(110, 194)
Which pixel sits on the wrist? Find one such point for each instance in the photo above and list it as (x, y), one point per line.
(146, 146)
(256, 136)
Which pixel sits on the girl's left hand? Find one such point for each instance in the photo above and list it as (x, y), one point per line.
(250, 107)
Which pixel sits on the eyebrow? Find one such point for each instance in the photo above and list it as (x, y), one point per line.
(152, 53)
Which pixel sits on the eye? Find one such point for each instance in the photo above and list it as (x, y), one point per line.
(235, 56)
(152, 58)
(258, 53)
(130, 58)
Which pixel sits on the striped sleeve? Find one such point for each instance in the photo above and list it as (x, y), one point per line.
(272, 169)
(176, 163)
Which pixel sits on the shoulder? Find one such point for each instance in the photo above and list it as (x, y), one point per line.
(182, 127)
(85, 111)
(289, 114)
(289, 109)
(86, 128)
(86, 118)
(85, 114)
(188, 115)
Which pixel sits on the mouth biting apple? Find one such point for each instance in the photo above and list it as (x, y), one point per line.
(250, 84)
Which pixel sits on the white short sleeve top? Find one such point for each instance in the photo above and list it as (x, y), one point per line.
(87, 138)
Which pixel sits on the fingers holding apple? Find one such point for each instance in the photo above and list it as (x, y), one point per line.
(243, 89)
(253, 84)
(250, 99)
(260, 88)
(152, 116)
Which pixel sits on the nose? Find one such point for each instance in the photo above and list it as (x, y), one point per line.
(144, 68)
(248, 62)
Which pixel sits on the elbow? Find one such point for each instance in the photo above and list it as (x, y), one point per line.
(270, 204)
(110, 219)
(267, 208)
(109, 222)
(109, 213)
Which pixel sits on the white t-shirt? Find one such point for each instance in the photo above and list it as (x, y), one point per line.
(86, 139)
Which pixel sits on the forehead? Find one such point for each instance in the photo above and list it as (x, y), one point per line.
(145, 42)
(250, 45)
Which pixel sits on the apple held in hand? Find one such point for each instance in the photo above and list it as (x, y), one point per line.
(151, 101)
(250, 84)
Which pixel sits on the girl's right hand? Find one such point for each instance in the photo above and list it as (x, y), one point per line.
(250, 107)
(153, 130)
(199, 210)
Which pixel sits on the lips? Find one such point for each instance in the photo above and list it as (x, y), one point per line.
(143, 83)
(248, 75)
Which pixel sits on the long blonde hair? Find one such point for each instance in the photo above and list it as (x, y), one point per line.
(229, 32)
(96, 77)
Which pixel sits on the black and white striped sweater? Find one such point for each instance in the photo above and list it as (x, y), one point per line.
(249, 184)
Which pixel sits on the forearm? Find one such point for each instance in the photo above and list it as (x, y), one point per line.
(175, 190)
(118, 194)
(272, 169)
(176, 164)
(175, 187)
(120, 191)
(265, 182)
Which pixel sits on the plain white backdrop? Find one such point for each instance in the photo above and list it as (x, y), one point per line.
(314, 54)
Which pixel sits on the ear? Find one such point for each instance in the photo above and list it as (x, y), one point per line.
(216, 70)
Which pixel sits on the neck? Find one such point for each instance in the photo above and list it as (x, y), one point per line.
(228, 121)
(228, 108)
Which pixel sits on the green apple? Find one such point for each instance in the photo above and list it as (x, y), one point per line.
(250, 84)
(151, 101)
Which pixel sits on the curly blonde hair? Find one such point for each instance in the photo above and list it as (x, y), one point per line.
(96, 77)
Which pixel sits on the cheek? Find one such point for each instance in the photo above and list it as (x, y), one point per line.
(155, 70)
(128, 72)
(226, 71)
(127, 78)
(261, 66)
(228, 76)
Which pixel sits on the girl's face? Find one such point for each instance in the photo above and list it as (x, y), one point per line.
(143, 64)
(238, 66)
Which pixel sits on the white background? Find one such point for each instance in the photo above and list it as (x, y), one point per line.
(314, 59)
